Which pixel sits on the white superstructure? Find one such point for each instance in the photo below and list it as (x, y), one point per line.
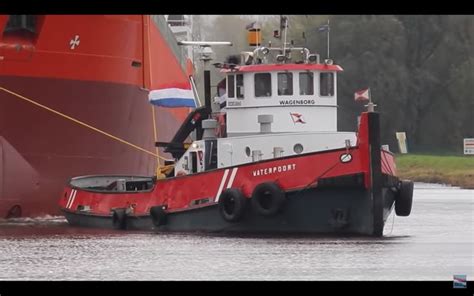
(273, 109)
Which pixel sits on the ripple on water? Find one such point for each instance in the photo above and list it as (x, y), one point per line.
(433, 243)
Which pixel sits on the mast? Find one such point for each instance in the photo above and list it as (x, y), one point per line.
(206, 57)
(328, 37)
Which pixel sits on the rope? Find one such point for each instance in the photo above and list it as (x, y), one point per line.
(82, 123)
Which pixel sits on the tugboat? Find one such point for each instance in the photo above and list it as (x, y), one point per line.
(273, 162)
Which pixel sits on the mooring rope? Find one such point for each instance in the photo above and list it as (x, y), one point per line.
(85, 124)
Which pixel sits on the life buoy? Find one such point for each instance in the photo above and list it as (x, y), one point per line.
(404, 198)
(232, 204)
(119, 219)
(268, 199)
(158, 215)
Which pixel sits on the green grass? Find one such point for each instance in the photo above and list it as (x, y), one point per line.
(454, 170)
(406, 161)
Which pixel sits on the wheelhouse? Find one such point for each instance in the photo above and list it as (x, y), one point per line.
(281, 89)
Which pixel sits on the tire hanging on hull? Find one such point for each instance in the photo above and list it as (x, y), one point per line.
(404, 199)
(232, 204)
(119, 219)
(268, 199)
(158, 216)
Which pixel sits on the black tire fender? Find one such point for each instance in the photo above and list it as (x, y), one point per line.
(404, 198)
(158, 215)
(119, 219)
(232, 204)
(268, 199)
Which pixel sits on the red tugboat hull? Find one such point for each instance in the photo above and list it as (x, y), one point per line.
(333, 191)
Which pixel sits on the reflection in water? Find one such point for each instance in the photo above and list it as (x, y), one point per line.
(433, 243)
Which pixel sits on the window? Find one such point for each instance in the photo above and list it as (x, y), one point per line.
(298, 148)
(326, 85)
(240, 86)
(263, 85)
(194, 163)
(285, 84)
(306, 83)
(176, 20)
(230, 86)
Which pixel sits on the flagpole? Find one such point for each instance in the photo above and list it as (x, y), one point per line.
(328, 38)
(370, 105)
(159, 174)
(197, 101)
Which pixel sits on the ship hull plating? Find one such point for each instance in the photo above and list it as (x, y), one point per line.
(41, 150)
(312, 211)
(106, 222)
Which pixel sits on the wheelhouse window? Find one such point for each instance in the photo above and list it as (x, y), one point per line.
(285, 84)
(326, 85)
(176, 20)
(21, 22)
(230, 86)
(240, 86)
(307, 83)
(263, 85)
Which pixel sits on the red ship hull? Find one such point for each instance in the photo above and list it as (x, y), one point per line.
(49, 149)
(102, 81)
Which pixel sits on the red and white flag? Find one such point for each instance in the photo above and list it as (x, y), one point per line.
(297, 118)
(362, 95)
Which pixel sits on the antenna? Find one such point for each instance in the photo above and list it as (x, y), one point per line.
(205, 43)
(283, 26)
(328, 37)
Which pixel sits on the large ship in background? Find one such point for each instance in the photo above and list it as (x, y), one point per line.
(97, 69)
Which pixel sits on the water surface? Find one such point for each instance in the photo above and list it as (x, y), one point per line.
(433, 243)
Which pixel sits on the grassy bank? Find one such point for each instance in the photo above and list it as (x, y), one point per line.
(454, 170)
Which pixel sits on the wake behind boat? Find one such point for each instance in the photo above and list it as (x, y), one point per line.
(272, 162)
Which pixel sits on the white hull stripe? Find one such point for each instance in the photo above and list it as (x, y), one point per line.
(221, 186)
(223, 181)
(232, 177)
(71, 198)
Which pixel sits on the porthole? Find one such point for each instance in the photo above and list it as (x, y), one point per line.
(298, 148)
(247, 151)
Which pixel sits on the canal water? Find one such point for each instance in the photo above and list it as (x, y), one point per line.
(434, 243)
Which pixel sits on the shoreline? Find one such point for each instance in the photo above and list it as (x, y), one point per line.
(450, 170)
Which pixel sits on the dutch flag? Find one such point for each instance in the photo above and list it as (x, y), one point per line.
(175, 96)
